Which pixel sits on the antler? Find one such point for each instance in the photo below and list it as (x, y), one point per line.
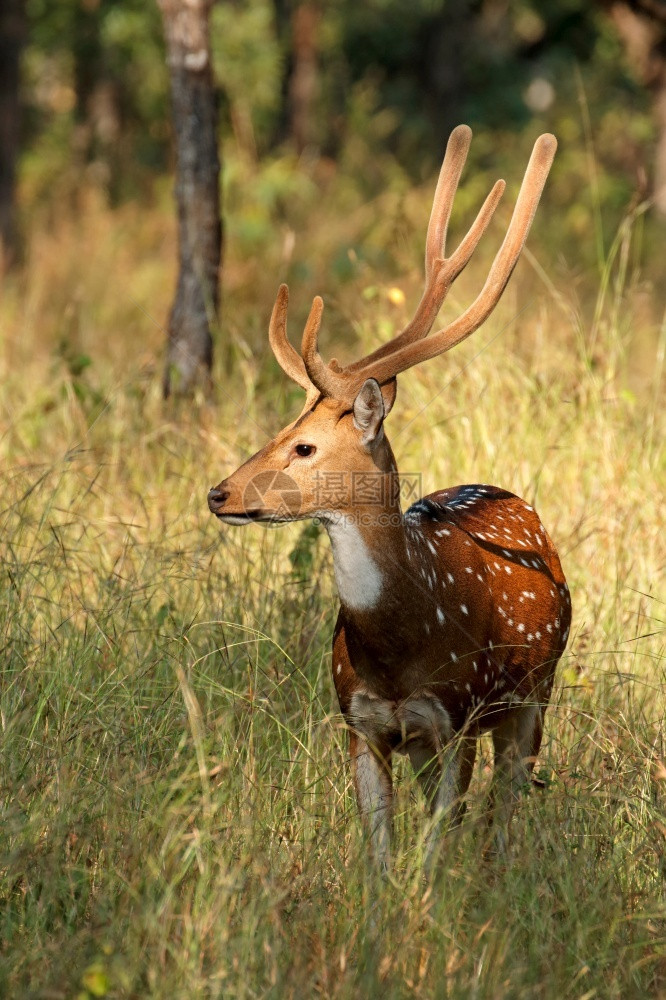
(287, 357)
(409, 348)
(441, 271)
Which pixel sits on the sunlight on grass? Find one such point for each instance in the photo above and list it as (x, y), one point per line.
(177, 818)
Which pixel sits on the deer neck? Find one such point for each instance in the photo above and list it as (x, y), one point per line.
(368, 539)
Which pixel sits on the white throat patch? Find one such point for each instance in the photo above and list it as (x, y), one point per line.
(357, 575)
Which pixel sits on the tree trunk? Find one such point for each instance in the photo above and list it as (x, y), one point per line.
(195, 307)
(641, 25)
(303, 82)
(12, 36)
(297, 26)
(660, 151)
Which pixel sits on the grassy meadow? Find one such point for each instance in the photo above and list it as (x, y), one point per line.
(177, 817)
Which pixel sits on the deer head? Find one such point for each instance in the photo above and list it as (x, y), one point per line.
(341, 425)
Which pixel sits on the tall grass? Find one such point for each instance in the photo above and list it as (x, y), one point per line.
(177, 820)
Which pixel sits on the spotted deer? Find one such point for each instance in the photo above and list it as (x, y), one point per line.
(453, 614)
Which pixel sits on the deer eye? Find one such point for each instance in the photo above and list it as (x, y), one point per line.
(305, 449)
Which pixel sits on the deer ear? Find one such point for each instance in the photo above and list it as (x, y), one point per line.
(369, 411)
(389, 392)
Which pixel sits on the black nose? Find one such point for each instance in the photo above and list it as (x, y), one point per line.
(217, 499)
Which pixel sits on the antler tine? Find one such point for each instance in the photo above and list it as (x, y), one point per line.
(388, 362)
(287, 356)
(321, 375)
(498, 276)
(441, 271)
(410, 347)
(457, 149)
(436, 289)
(459, 260)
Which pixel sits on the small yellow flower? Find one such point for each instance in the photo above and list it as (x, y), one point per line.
(396, 296)
(95, 980)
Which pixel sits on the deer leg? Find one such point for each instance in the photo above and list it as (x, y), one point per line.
(444, 778)
(373, 783)
(467, 758)
(516, 742)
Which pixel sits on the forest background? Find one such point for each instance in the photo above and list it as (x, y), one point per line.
(176, 813)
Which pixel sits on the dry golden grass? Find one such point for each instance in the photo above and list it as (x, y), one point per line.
(177, 818)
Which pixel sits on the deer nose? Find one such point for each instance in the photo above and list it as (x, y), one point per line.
(216, 499)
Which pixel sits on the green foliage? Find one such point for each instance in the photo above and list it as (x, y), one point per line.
(391, 81)
(176, 816)
(248, 61)
(303, 554)
(96, 90)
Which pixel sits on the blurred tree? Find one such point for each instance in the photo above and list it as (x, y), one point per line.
(195, 307)
(12, 36)
(96, 91)
(642, 26)
(248, 49)
(422, 58)
(370, 89)
(302, 84)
